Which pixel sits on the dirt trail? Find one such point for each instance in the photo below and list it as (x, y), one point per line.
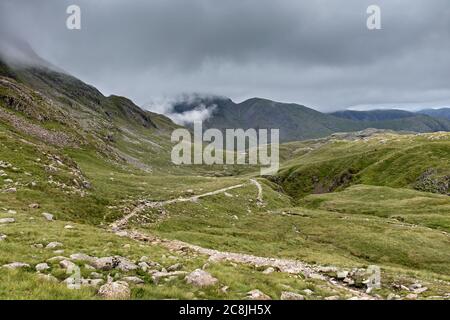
(281, 265)
(121, 223)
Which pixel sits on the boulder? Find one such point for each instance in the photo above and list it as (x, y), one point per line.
(7, 220)
(48, 216)
(118, 290)
(133, 280)
(201, 278)
(16, 265)
(285, 295)
(82, 257)
(91, 282)
(175, 267)
(67, 264)
(257, 295)
(42, 267)
(157, 276)
(144, 266)
(96, 275)
(269, 270)
(53, 245)
(57, 258)
(47, 277)
(105, 263)
(125, 265)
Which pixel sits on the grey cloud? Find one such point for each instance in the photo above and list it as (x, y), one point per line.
(317, 53)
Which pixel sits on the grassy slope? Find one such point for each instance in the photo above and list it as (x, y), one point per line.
(356, 227)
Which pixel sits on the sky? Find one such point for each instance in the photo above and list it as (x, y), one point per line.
(316, 53)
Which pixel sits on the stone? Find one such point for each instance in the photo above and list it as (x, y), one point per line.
(308, 292)
(269, 270)
(118, 290)
(3, 237)
(57, 258)
(158, 275)
(7, 220)
(11, 190)
(91, 282)
(53, 245)
(201, 278)
(341, 275)
(144, 266)
(175, 267)
(82, 257)
(48, 216)
(420, 290)
(257, 295)
(16, 265)
(69, 227)
(125, 265)
(105, 263)
(285, 295)
(133, 280)
(42, 267)
(47, 277)
(96, 275)
(67, 264)
(12, 211)
(411, 296)
(34, 206)
(58, 251)
(332, 298)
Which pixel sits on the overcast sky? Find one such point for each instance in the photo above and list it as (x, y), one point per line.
(317, 53)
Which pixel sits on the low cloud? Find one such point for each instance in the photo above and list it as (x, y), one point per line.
(316, 53)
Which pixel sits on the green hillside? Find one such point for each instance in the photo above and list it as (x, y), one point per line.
(100, 166)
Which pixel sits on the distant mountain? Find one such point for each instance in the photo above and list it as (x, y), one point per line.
(373, 115)
(297, 122)
(437, 113)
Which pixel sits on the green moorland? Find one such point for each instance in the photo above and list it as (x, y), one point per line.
(347, 201)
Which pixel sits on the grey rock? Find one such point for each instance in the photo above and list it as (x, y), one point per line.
(82, 257)
(48, 216)
(175, 267)
(96, 275)
(118, 290)
(47, 277)
(67, 264)
(269, 270)
(2, 237)
(7, 220)
(16, 265)
(133, 280)
(57, 258)
(257, 295)
(42, 267)
(285, 295)
(157, 276)
(53, 245)
(201, 278)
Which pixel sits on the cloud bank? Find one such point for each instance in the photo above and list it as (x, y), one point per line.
(316, 53)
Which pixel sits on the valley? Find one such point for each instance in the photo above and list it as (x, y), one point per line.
(91, 207)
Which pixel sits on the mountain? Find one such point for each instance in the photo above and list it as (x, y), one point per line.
(373, 115)
(437, 113)
(92, 175)
(297, 122)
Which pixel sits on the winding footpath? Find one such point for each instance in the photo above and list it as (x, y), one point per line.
(282, 265)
